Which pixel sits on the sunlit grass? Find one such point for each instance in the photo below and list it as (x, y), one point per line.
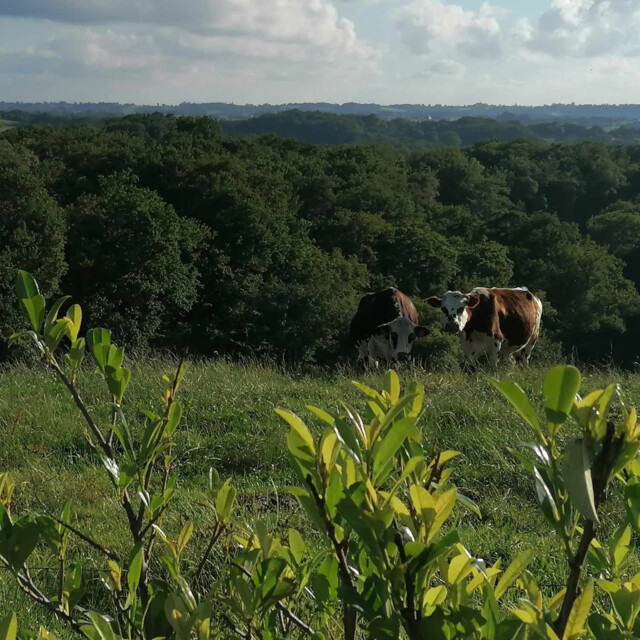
(229, 424)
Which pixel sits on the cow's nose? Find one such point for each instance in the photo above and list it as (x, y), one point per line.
(451, 327)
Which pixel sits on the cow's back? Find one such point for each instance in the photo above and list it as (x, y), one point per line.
(379, 308)
(516, 311)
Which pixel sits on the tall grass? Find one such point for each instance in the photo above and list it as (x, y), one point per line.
(230, 424)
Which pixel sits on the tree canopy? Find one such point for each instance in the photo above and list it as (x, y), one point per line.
(222, 243)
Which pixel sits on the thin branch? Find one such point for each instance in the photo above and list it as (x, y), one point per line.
(82, 407)
(233, 626)
(155, 519)
(26, 584)
(92, 543)
(350, 614)
(294, 618)
(410, 613)
(99, 436)
(215, 535)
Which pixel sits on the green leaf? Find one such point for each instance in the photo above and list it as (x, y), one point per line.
(173, 419)
(387, 447)
(14, 337)
(55, 332)
(26, 286)
(76, 354)
(33, 310)
(323, 415)
(115, 356)
(514, 570)
(298, 426)
(349, 437)
(134, 568)
(52, 316)
(372, 393)
(392, 385)
(9, 627)
(627, 605)
(576, 472)
(25, 535)
(184, 537)
(74, 314)
(632, 503)
(518, 399)
(297, 546)
(225, 499)
(101, 625)
(579, 612)
(117, 381)
(545, 498)
(97, 340)
(560, 389)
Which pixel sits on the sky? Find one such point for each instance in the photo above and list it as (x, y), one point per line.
(385, 51)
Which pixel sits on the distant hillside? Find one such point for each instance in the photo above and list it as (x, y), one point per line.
(318, 127)
(604, 115)
(326, 128)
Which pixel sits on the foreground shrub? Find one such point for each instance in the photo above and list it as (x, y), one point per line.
(388, 562)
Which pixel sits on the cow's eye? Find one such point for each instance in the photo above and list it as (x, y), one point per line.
(460, 309)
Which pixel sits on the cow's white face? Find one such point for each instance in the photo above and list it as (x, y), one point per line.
(455, 307)
(394, 338)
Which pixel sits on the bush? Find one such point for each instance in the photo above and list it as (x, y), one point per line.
(388, 561)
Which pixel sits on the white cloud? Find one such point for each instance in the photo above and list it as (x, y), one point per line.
(584, 28)
(434, 26)
(248, 42)
(83, 53)
(450, 68)
(302, 22)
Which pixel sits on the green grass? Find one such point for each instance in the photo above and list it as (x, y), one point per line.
(229, 423)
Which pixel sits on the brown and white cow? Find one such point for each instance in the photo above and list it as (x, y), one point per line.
(492, 322)
(385, 325)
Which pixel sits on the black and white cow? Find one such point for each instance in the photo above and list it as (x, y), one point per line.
(385, 326)
(492, 322)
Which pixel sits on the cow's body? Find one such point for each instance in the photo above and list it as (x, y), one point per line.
(493, 322)
(385, 325)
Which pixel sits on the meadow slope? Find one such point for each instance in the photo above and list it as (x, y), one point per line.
(230, 424)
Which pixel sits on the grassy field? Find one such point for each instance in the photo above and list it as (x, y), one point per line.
(230, 424)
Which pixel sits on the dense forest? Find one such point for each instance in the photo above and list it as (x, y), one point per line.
(176, 235)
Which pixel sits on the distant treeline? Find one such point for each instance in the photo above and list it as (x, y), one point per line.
(326, 128)
(175, 235)
(604, 115)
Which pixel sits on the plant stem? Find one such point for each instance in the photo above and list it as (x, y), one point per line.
(600, 471)
(349, 615)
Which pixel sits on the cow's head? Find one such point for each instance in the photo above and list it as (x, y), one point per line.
(396, 337)
(455, 307)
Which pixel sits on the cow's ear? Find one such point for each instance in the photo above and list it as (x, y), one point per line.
(383, 330)
(421, 332)
(473, 301)
(434, 301)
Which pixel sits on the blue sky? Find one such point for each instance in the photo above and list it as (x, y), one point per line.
(385, 51)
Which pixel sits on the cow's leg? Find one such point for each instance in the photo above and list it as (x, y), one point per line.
(526, 352)
(471, 353)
